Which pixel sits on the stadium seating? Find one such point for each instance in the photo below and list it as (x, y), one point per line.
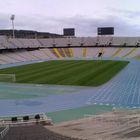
(48, 53)
(5, 44)
(46, 42)
(33, 132)
(77, 52)
(56, 48)
(16, 42)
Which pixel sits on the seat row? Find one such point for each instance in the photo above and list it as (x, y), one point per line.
(12, 43)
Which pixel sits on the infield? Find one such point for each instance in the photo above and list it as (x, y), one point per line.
(67, 72)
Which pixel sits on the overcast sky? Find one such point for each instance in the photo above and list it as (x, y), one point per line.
(84, 15)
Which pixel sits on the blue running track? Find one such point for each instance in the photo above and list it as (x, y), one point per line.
(122, 91)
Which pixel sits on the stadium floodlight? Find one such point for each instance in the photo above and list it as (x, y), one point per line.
(12, 18)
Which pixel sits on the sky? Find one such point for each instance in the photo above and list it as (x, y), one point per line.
(83, 15)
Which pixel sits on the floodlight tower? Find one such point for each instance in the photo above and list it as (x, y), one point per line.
(12, 19)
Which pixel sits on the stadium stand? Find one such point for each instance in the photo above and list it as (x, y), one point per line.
(33, 132)
(39, 54)
(22, 50)
(4, 44)
(124, 52)
(84, 52)
(48, 53)
(77, 52)
(61, 52)
(67, 53)
(46, 42)
(16, 42)
(35, 43)
(89, 41)
(56, 52)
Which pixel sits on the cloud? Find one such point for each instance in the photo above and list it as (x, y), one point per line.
(84, 26)
(126, 13)
(4, 21)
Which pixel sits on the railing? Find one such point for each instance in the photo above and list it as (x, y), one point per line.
(4, 132)
(4, 121)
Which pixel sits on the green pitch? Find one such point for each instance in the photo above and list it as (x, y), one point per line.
(67, 72)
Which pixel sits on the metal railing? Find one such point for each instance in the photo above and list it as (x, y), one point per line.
(4, 132)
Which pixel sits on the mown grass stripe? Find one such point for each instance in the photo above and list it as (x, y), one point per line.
(70, 72)
(47, 73)
(53, 77)
(41, 68)
(83, 79)
(107, 74)
(67, 72)
(82, 75)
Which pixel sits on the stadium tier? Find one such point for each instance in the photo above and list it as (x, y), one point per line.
(22, 50)
(67, 42)
(33, 132)
(61, 53)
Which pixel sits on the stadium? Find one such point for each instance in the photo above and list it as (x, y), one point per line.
(69, 70)
(69, 78)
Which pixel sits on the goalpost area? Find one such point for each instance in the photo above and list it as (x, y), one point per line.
(17, 99)
(11, 78)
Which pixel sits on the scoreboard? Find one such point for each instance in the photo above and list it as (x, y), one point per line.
(69, 32)
(105, 31)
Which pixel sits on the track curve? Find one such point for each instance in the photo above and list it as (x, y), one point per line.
(122, 91)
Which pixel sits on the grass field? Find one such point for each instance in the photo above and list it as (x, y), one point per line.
(67, 72)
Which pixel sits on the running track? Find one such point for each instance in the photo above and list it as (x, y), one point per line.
(122, 91)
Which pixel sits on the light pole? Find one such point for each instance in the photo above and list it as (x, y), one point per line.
(12, 19)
